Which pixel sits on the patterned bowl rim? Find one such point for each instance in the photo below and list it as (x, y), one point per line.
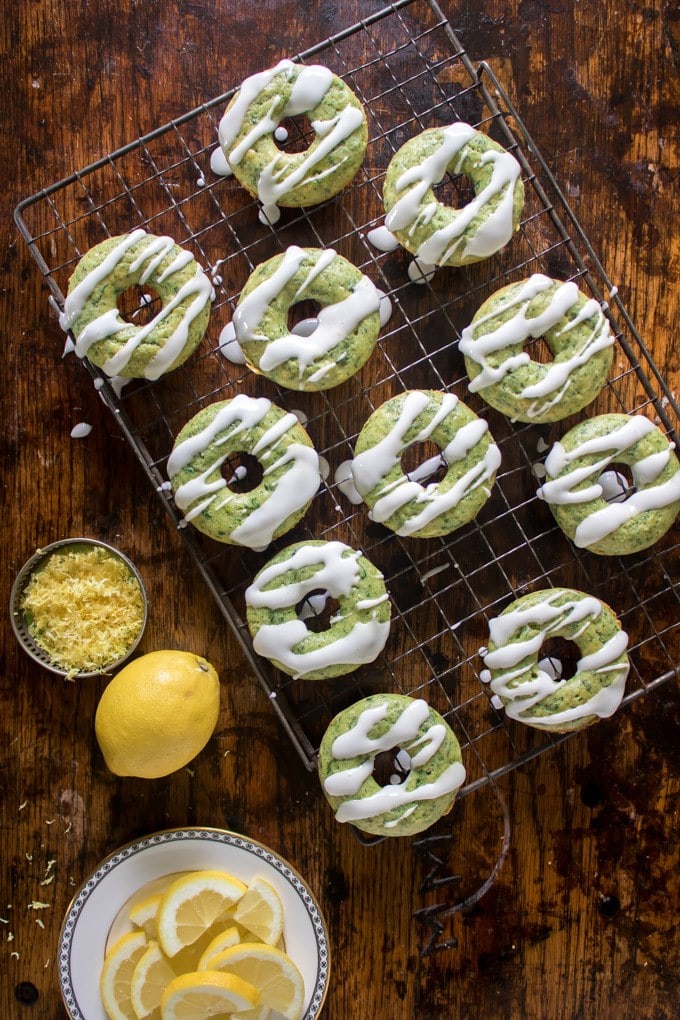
(206, 834)
(20, 628)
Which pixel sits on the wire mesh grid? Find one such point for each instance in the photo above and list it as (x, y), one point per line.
(411, 72)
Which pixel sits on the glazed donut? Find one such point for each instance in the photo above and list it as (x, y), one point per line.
(246, 134)
(347, 327)
(529, 693)
(574, 328)
(121, 348)
(574, 488)
(253, 426)
(468, 452)
(358, 630)
(437, 234)
(428, 753)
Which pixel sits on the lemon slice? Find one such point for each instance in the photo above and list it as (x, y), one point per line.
(150, 978)
(271, 971)
(116, 975)
(205, 994)
(226, 939)
(261, 911)
(143, 914)
(192, 904)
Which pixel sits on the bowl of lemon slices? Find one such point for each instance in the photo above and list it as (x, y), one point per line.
(193, 923)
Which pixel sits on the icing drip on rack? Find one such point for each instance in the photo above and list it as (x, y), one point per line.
(493, 233)
(605, 520)
(334, 323)
(406, 732)
(545, 618)
(292, 489)
(336, 572)
(109, 323)
(519, 328)
(310, 85)
(371, 467)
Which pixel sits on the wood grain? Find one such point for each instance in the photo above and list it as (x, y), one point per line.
(582, 919)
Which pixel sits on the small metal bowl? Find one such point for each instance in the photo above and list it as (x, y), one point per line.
(20, 625)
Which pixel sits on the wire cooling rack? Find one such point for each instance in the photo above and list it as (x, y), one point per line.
(411, 72)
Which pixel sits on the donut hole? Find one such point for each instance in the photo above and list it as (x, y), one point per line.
(617, 483)
(317, 609)
(294, 134)
(423, 463)
(558, 657)
(242, 472)
(303, 317)
(455, 192)
(539, 350)
(139, 305)
(391, 768)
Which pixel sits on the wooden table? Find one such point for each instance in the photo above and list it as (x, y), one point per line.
(581, 921)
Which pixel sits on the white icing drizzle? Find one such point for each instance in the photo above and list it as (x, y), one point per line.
(519, 328)
(310, 85)
(404, 733)
(371, 466)
(382, 239)
(292, 490)
(604, 521)
(334, 322)
(281, 134)
(337, 573)
(614, 486)
(229, 346)
(545, 618)
(420, 272)
(344, 480)
(81, 430)
(385, 307)
(110, 322)
(491, 235)
(218, 163)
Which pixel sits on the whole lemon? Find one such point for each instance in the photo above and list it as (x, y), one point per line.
(157, 714)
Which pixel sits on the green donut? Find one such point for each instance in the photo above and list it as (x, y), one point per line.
(468, 453)
(246, 134)
(428, 763)
(574, 484)
(529, 693)
(121, 348)
(301, 575)
(346, 328)
(437, 234)
(574, 328)
(254, 426)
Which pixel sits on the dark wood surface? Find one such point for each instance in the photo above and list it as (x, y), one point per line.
(581, 921)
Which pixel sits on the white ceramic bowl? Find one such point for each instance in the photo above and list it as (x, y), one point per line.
(96, 915)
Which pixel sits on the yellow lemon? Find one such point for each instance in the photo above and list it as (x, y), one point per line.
(268, 969)
(261, 911)
(157, 714)
(116, 976)
(192, 905)
(208, 993)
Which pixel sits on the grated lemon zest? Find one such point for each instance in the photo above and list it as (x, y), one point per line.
(84, 608)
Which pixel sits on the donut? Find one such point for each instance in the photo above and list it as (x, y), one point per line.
(247, 136)
(243, 425)
(346, 329)
(294, 586)
(427, 763)
(440, 235)
(402, 502)
(529, 692)
(121, 348)
(574, 328)
(576, 476)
